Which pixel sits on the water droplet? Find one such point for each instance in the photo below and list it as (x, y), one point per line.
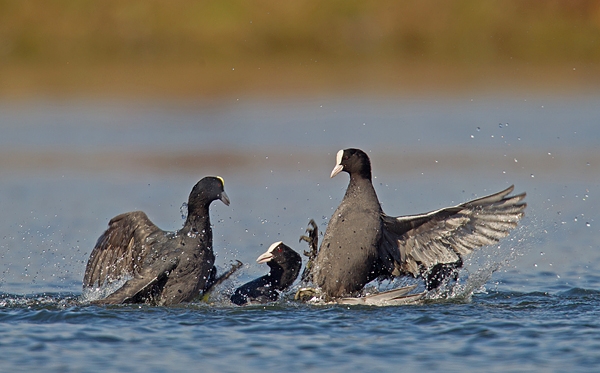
(184, 210)
(499, 125)
(575, 219)
(472, 136)
(542, 253)
(587, 224)
(516, 161)
(478, 129)
(532, 175)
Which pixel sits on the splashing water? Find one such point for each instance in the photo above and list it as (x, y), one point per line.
(481, 265)
(184, 210)
(91, 294)
(38, 300)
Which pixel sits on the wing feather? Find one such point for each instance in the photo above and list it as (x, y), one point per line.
(120, 250)
(416, 243)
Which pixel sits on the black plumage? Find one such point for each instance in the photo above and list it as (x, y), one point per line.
(164, 267)
(285, 266)
(362, 243)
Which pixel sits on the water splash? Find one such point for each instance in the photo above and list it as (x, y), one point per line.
(184, 210)
(94, 293)
(60, 300)
(482, 264)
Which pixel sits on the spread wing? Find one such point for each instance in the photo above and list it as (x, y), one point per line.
(416, 243)
(120, 250)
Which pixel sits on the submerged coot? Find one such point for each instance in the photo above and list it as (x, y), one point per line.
(285, 265)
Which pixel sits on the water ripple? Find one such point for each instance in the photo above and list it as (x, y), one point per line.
(537, 329)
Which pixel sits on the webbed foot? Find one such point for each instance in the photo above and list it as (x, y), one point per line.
(306, 294)
(312, 238)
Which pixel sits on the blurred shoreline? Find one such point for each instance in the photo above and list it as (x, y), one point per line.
(583, 164)
(214, 49)
(290, 79)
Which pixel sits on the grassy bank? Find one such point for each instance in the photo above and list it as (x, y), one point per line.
(208, 48)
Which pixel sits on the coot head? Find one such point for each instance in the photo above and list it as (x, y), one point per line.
(353, 161)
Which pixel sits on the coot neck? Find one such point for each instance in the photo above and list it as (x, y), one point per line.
(198, 222)
(275, 275)
(361, 193)
(360, 181)
(290, 274)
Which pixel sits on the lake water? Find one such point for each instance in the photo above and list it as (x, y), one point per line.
(67, 167)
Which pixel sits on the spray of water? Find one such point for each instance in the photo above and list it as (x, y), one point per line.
(481, 265)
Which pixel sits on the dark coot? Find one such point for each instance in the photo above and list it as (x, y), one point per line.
(164, 267)
(362, 243)
(285, 266)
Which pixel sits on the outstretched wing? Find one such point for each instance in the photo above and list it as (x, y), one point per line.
(120, 250)
(416, 243)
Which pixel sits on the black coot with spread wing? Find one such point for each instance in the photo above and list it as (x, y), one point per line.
(164, 267)
(362, 243)
(285, 266)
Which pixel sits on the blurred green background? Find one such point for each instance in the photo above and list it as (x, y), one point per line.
(225, 47)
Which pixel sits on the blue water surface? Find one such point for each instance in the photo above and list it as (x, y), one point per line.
(537, 311)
